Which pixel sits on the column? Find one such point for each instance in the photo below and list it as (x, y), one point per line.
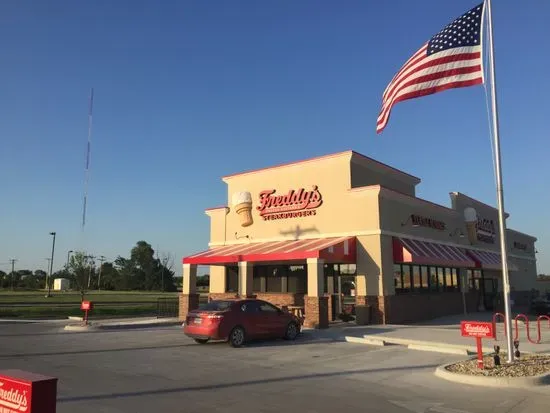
(245, 279)
(316, 305)
(329, 294)
(189, 299)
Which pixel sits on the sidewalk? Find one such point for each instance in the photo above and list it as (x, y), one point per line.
(436, 335)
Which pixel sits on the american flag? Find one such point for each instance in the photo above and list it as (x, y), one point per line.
(450, 59)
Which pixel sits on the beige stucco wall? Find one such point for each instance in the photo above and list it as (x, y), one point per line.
(343, 211)
(372, 213)
(364, 172)
(217, 279)
(396, 210)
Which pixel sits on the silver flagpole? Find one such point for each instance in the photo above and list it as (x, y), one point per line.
(501, 217)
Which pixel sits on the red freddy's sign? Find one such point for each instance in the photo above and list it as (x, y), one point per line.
(14, 396)
(27, 392)
(298, 203)
(477, 329)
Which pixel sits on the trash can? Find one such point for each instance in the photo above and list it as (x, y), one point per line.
(362, 314)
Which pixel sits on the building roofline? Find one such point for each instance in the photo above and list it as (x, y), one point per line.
(386, 166)
(318, 158)
(506, 214)
(522, 233)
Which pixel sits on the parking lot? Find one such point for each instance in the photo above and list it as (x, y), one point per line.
(160, 370)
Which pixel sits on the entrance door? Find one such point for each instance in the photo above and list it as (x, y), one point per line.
(490, 290)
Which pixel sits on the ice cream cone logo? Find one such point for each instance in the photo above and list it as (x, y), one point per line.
(470, 216)
(242, 202)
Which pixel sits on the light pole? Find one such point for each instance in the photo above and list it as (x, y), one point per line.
(68, 257)
(51, 263)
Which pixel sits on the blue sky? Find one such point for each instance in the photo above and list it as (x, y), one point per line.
(189, 91)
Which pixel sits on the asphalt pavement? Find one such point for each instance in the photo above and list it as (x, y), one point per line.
(158, 369)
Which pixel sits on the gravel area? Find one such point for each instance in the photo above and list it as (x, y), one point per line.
(526, 365)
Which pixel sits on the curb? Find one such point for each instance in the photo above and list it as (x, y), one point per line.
(419, 345)
(360, 340)
(79, 328)
(489, 381)
(133, 325)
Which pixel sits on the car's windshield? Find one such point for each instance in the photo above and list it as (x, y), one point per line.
(216, 306)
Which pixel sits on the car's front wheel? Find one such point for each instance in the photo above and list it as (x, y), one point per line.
(201, 340)
(291, 331)
(237, 337)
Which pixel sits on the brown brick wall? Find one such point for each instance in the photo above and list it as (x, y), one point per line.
(281, 299)
(187, 303)
(222, 296)
(316, 312)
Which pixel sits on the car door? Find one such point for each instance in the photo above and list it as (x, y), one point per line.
(274, 318)
(252, 319)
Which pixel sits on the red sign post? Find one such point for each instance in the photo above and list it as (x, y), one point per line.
(479, 330)
(25, 392)
(86, 306)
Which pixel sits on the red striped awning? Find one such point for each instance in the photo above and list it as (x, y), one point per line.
(429, 253)
(489, 260)
(332, 250)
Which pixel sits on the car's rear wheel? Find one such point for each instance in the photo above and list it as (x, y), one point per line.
(291, 331)
(237, 337)
(201, 340)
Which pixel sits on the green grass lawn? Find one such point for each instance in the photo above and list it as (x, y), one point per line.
(7, 296)
(34, 304)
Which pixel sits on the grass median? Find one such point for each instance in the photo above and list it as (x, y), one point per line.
(34, 304)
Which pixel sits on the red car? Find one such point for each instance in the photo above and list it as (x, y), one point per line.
(238, 321)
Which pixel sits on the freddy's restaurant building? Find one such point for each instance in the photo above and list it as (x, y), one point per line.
(309, 232)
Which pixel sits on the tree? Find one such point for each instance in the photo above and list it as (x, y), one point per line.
(79, 268)
(3, 279)
(110, 277)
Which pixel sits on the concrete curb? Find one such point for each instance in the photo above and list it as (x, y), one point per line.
(419, 345)
(79, 328)
(488, 381)
(365, 340)
(121, 325)
(134, 325)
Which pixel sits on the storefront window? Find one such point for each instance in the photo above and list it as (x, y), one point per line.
(440, 279)
(397, 278)
(417, 280)
(348, 269)
(232, 279)
(274, 279)
(406, 270)
(424, 276)
(456, 280)
(297, 279)
(449, 286)
(433, 279)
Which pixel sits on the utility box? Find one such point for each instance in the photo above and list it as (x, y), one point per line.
(61, 284)
(362, 314)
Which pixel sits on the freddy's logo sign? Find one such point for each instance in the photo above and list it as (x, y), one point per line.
(296, 203)
(11, 398)
(477, 329)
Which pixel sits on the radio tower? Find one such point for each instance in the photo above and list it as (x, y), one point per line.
(87, 171)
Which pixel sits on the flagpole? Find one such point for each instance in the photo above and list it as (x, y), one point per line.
(500, 196)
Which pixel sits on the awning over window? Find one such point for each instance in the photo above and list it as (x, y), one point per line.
(332, 250)
(489, 260)
(429, 253)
